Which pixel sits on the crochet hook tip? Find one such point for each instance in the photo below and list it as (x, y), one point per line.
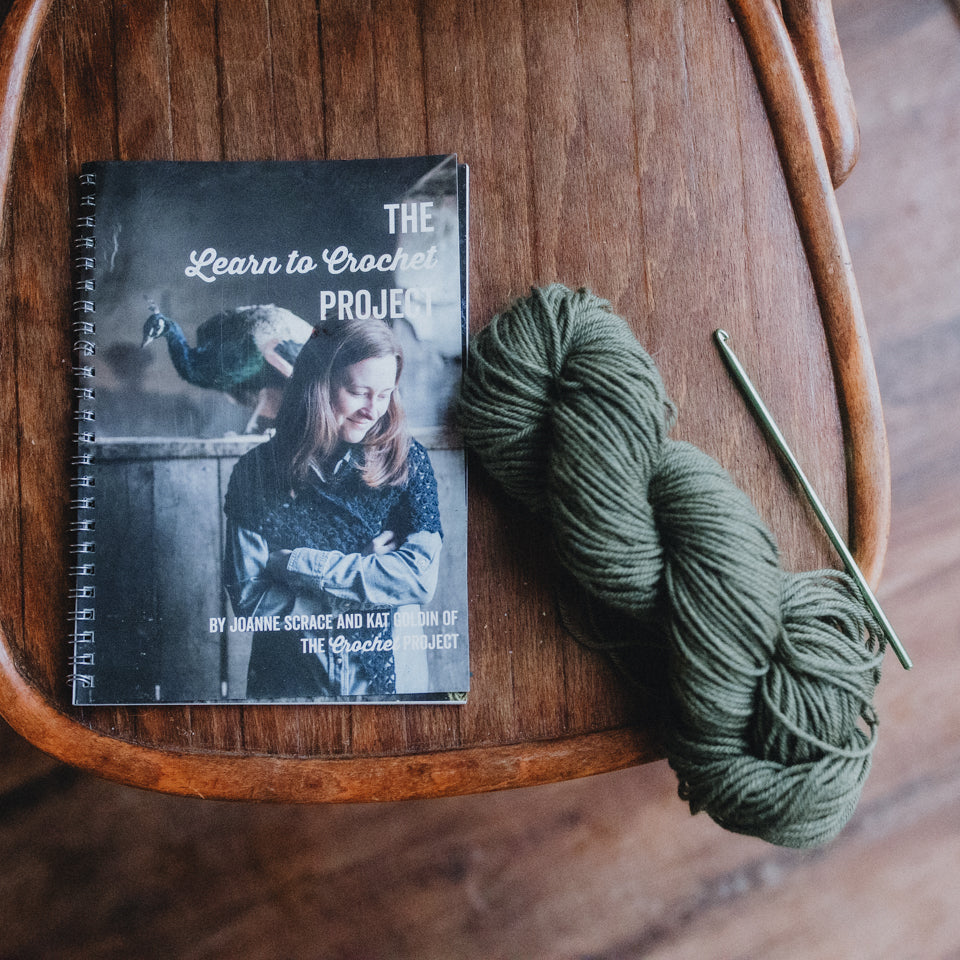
(763, 414)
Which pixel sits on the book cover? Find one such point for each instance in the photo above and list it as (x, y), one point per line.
(270, 494)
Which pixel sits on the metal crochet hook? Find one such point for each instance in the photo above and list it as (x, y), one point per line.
(759, 407)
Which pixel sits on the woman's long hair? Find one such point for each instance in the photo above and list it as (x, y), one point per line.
(306, 427)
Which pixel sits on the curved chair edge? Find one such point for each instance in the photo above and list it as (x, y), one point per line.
(312, 779)
(19, 36)
(794, 123)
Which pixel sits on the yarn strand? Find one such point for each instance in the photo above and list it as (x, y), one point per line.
(770, 674)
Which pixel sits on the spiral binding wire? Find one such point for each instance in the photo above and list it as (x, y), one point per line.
(83, 571)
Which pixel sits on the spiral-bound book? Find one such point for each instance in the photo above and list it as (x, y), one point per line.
(270, 490)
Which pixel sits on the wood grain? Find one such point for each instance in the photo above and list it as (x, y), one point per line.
(654, 152)
(611, 867)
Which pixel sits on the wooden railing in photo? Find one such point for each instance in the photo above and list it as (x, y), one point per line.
(679, 159)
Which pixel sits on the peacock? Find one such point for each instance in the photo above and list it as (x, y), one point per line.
(247, 353)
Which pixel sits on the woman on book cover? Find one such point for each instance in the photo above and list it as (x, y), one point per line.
(334, 523)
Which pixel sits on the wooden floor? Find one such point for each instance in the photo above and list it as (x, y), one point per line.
(613, 866)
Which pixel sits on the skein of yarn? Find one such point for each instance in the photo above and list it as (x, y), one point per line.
(771, 674)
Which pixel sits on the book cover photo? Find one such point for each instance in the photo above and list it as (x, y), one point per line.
(270, 492)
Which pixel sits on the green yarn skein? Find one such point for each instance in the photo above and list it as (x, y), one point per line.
(771, 674)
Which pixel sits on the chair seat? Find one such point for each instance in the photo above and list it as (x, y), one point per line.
(678, 159)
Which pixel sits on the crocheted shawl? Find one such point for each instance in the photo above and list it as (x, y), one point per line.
(341, 513)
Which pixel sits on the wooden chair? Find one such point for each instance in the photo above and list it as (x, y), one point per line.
(678, 158)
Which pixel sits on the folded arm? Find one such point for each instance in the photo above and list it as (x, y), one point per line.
(405, 575)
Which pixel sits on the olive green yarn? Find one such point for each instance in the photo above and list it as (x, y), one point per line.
(771, 674)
